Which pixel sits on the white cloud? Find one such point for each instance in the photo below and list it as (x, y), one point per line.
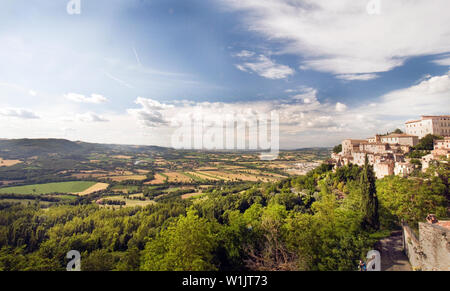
(340, 107)
(443, 61)
(307, 95)
(340, 37)
(357, 77)
(305, 119)
(94, 99)
(18, 113)
(32, 93)
(244, 54)
(430, 96)
(321, 122)
(150, 114)
(90, 117)
(265, 67)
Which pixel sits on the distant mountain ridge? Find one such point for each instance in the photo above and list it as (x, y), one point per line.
(26, 148)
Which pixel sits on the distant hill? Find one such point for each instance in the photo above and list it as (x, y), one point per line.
(25, 148)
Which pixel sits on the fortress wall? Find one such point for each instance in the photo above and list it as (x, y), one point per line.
(429, 252)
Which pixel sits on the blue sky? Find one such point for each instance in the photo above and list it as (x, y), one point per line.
(322, 64)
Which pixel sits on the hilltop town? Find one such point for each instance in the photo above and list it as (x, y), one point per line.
(388, 154)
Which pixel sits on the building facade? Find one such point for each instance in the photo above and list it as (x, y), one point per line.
(441, 148)
(402, 139)
(351, 145)
(387, 153)
(437, 125)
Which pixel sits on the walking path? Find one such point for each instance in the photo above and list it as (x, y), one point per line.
(392, 256)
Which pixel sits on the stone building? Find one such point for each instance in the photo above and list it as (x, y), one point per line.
(403, 169)
(437, 125)
(387, 153)
(350, 145)
(426, 161)
(401, 139)
(384, 168)
(375, 148)
(383, 153)
(441, 148)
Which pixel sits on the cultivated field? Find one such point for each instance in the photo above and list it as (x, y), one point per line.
(123, 171)
(61, 187)
(191, 195)
(159, 179)
(129, 202)
(124, 188)
(127, 177)
(93, 188)
(8, 163)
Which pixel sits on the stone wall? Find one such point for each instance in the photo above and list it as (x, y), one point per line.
(411, 246)
(429, 252)
(435, 243)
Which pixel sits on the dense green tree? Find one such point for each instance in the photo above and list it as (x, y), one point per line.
(337, 149)
(411, 199)
(186, 245)
(369, 200)
(324, 220)
(427, 142)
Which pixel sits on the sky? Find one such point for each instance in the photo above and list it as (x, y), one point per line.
(128, 71)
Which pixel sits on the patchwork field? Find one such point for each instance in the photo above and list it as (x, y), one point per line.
(124, 188)
(178, 177)
(129, 202)
(209, 174)
(177, 173)
(191, 195)
(61, 187)
(198, 176)
(9, 163)
(93, 188)
(122, 157)
(159, 179)
(127, 177)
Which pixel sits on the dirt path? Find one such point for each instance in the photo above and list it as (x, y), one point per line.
(392, 255)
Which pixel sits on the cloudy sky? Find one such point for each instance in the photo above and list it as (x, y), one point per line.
(122, 71)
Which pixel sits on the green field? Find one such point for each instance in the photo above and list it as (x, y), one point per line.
(127, 188)
(61, 187)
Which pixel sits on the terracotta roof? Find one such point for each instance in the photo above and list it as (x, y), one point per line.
(412, 121)
(427, 117)
(357, 140)
(433, 116)
(445, 224)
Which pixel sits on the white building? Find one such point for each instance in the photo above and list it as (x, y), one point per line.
(426, 161)
(403, 169)
(402, 139)
(437, 125)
